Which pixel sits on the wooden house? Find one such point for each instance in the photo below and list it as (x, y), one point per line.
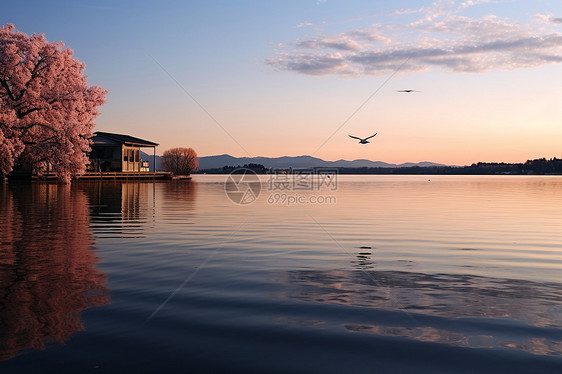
(119, 153)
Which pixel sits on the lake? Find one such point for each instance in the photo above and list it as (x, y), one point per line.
(331, 274)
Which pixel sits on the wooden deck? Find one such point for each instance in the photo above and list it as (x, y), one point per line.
(122, 176)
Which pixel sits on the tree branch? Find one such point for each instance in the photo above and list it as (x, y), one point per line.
(36, 143)
(4, 84)
(29, 127)
(25, 113)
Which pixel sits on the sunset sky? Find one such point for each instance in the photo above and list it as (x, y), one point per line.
(273, 78)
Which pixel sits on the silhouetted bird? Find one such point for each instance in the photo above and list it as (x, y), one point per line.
(362, 140)
(408, 91)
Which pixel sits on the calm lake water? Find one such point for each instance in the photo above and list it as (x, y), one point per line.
(416, 274)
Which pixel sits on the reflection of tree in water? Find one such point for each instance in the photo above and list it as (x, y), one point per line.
(178, 200)
(181, 190)
(47, 266)
(443, 298)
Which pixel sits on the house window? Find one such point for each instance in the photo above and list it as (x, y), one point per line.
(137, 155)
(125, 155)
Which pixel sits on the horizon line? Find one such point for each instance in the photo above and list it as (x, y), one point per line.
(386, 162)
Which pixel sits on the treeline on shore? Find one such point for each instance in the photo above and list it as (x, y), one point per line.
(540, 166)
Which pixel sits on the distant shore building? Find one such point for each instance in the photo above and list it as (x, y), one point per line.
(119, 153)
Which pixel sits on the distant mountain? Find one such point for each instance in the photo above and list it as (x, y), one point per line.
(540, 166)
(296, 162)
(423, 164)
(150, 158)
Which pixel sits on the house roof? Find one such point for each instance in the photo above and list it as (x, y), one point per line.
(108, 138)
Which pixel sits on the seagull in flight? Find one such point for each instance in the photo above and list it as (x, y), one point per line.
(407, 91)
(362, 140)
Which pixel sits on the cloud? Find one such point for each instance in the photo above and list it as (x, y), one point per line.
(452, 42)
(305, 24)
(469, 3)
(548, 19)
(338, 42)
(315, 64)
(465, 57)
(439, 8)
(371, 35)
(432, 11)
(400, 12)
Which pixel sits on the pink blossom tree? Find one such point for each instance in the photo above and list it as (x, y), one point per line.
(47, 110)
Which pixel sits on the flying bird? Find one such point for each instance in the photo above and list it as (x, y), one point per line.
(407, 91)
(362, 140)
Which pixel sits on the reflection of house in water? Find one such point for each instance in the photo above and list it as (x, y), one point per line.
(120, 209)
(118, 153)
(123, 209)
(44, 288)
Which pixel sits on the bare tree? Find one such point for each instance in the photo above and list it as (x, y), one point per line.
(180, 161)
